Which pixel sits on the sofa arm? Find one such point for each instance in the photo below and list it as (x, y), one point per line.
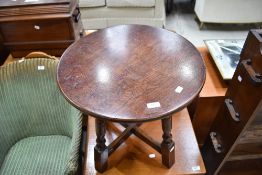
(160, 10)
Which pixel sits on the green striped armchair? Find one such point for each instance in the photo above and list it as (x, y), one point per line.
(40, 131)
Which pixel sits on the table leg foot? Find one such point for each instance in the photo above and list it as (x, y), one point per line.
(100, 150)
(167, 145)
(168, 154)
(101, 157)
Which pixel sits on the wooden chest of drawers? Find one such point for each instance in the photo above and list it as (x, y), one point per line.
(39, 25)
(234, 144)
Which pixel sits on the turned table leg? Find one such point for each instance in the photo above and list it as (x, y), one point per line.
(167, 145)
(100, 150)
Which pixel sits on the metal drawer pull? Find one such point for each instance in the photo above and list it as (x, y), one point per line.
(235, 115)
(216, 144)
(37, 27)
(77, 15)
(81, 33)
(254, 77)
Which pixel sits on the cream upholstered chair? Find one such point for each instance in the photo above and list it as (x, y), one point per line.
(40, 131)
(229, 11)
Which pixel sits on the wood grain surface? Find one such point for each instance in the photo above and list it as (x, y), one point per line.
(27, 2)
(45, 25)
(115, 72)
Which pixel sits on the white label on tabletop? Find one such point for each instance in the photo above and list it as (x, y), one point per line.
(239, 78)
(21, 60)
(41, 67)
(37, 27)
(179, 89)
(172, 148)
(196, 168)
(151, 156)
(31, 0)
(153, 105)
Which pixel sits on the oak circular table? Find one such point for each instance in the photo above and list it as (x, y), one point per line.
(131, 74)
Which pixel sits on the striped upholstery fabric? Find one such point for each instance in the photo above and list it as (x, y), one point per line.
(39, 131)
(29, 156)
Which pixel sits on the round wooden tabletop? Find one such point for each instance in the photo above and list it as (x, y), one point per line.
(131, 73)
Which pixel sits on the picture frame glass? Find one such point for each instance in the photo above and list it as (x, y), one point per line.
(225, 54)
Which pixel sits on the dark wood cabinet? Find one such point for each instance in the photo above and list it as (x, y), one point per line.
(204, 109)
(234, 144)
(39, 25)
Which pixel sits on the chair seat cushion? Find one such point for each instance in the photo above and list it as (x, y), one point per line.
(130, 3)
(40, 155)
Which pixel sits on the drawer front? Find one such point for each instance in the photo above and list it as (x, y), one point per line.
(244, 92)
(55, 48)
(241, 100)
(36, 30)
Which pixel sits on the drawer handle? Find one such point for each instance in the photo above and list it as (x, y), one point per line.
(215, 141)
(81, 33)
(256, 78)
(37, 27)
(235, 115)
(77, 15)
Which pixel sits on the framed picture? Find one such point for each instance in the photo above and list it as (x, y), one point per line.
(225, 54)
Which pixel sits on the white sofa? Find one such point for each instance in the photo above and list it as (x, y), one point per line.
(229, 11)
(97, 14)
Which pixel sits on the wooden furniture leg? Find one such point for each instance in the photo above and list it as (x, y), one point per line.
(100, 150)
(167, 145)
(169, 6)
